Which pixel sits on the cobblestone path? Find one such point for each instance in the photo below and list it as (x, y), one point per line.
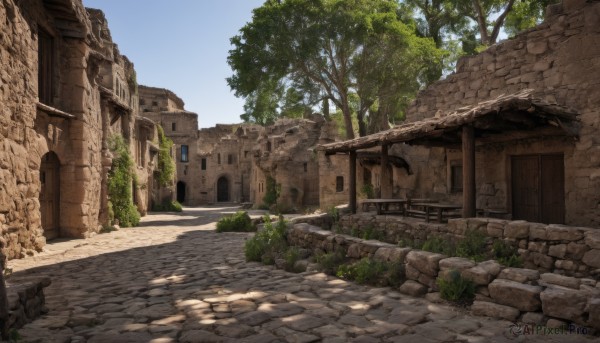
(176, 280)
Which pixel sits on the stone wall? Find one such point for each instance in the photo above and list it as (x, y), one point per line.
(514, 294)
(26, 300)
(560, 61)
(554, 248)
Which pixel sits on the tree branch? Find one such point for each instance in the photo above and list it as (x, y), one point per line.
(500, 22)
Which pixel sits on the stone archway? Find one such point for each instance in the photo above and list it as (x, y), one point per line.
(50, 195)
(180, 192)
(223, 189)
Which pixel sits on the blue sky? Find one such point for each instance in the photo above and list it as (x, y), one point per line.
(182, 45)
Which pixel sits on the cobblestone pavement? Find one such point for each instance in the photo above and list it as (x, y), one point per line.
(176, 280)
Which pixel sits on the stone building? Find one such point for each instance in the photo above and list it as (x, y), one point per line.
(64, 90)
(531, 104)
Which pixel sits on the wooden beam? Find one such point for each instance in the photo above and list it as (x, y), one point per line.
(385, 186)
(468, 153)
(352, 182)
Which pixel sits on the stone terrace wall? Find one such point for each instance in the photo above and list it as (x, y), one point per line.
(513, 294)
(26, 300)
(548, 248)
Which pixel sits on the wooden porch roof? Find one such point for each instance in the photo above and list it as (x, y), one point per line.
(506, 118)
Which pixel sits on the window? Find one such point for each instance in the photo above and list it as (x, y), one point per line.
(203, 164)
(173, 126)
(230, 159)
(246, 154)
(218, 158)
(339, 184)
(305, 167)
(268, 146)
(184, 153)
(456, 181)
(45, 70)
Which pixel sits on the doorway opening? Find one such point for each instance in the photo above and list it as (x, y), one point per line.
(222, 189)
(181, 192)
(50, 195)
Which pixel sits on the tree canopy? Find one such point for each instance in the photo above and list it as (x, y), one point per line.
(295, 54)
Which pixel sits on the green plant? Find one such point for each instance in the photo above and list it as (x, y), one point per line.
(408, 243)
(238, 222)
(456, 288)
(291, 256)
(330, 262)
(472, 246)
(273, 190)
(13, 335)
(506, 254)
(371, 233)
(368, 190)
(168, 206)
(120, 183)
(334, 213)
(268, 243)
(439, 245)
(368, 271)
(107, 229)
(165, 173)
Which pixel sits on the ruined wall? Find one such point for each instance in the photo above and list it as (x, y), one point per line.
(560, 60)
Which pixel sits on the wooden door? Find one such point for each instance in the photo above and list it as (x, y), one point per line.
(50, 195)
(222, 189)
(538, 188)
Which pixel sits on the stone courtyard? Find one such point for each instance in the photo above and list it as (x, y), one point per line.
(174, 279)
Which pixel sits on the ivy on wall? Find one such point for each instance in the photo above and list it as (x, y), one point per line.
(120, 183)
(166, 165)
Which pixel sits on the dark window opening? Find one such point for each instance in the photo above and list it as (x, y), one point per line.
(154, 103)
(173, 126)
(339, 184)
(456, 181)
(184, 153)
(203, 164)
(268, 146)
(218, 158)
(230, 159)
(245, 154)
(305, 167)
(45, 72)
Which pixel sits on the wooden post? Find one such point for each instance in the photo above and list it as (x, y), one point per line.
(352, 181)
(468, 168)
(386, 188)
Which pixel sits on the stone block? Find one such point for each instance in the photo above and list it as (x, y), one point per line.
(592, 258)
(424, 261)
(557, 232)
(412, 273)
(488, 309)
(564, 303)
(354, 251)
(537, 48)
(481, 274)
(535, 318)
(576, 250)
(517, 229)
(592, 239)
(594, 313)
(456, 263)
(537, 231)
(560, 280)
(542, 260)
(495, 229)
(391, 254)
(519, 274)
(518, 295)
(413, 288)
(559, 250)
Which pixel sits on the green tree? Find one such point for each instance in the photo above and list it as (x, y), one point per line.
(326, 50)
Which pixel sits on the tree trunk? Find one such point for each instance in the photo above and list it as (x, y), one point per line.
(347, 118)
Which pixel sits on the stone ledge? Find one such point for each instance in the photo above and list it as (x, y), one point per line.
(26, 300)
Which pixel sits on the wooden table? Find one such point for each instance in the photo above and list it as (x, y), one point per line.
(383, 205)
(439, 208)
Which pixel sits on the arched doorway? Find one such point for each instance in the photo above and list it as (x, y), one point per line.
(50, 195)
(181, 192)
(222, 189)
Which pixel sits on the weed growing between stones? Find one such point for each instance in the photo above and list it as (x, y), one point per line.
(267, 244)
(473, 246)
(291, 256)
(368, 271)
(439, 245)
(506, 254)
(238, 222)
(120, 183)
(455, 288)
(330, 262)
(168, 206)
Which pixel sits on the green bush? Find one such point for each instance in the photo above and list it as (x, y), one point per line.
(291, 256)
(371, 233)
(439, 245)
(272, 192)
(268, 243)
(473, 246)
(330, 262)
(506, 254)
(238, 222)
(120, 183)
(368, 271)
(368, 191)
(168, 206)
(457, 289)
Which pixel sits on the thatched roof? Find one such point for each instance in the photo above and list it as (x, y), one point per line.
(508, 117)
